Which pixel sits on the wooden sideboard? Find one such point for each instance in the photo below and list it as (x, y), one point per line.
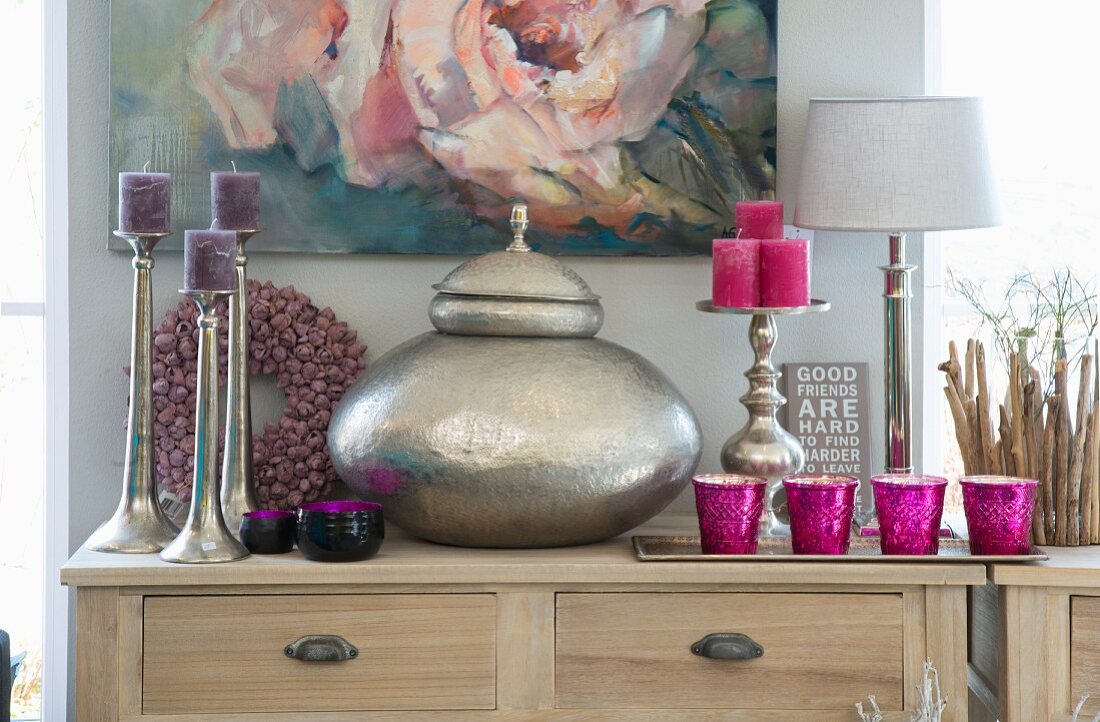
(1035, 639)
(583, 634)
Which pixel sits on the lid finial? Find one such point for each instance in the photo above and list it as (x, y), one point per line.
(519, 224)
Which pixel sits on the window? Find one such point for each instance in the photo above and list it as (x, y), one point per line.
(22, 399)
(1030, 64)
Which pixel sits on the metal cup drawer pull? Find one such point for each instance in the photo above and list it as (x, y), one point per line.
(727, 645)
(321, 648)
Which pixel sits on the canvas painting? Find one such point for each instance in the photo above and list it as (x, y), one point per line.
(630, 127)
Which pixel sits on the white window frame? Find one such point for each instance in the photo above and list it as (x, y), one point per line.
(55, 617)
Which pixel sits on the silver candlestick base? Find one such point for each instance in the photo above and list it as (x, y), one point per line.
(139, 525)
(238, 484)
(205, 537)
(763, 447)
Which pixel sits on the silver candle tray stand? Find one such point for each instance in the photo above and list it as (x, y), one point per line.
(778, 549)
(763, 447)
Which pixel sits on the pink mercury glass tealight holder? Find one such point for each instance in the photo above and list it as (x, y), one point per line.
(910, 507)
(998, 513)
(729, 507)
(821, 508)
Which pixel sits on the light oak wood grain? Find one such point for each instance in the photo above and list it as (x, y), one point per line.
(916, 643)
(1035, 682)
(633, 651)
(528, 588)
(225, 654)
(404, 560)
(558, 715)
(1085, 651)
(525, 650)
(130, 646)
(946, 646)
(97, 655)
(191, 643)
(1067, 567)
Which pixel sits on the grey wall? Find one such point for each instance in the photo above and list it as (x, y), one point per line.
(826, 47)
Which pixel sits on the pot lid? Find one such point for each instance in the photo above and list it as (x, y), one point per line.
(517, 272)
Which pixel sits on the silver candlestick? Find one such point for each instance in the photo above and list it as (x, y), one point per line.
(238, 486)
(763, 447)
(205, 537)
(139, 525)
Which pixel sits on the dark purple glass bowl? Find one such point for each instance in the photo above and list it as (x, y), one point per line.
(268, 531)
(340, 531)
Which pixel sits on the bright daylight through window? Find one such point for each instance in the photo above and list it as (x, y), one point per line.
(1030, 282)
(21, 371)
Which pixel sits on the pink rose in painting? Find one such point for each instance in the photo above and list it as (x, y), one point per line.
(526, 98)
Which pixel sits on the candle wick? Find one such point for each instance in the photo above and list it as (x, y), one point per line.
(145, 168)
(234, 164)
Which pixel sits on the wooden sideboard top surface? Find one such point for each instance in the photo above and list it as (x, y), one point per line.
(405, 560)
(1067, 567)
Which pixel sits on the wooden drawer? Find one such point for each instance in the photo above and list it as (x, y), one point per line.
(1085, 653)
(821, 651)
(226, 654)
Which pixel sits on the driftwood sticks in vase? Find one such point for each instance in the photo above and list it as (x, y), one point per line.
(1033, 437)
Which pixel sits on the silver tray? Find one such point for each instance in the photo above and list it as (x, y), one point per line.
(778, 549)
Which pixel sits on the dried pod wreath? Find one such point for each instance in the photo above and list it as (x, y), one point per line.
(314, 358)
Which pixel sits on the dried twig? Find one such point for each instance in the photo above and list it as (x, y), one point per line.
(1063, 436)
(968, 383)
(962, 431)
(1077, 710)
(1087, 480)
(976, 454)
(1046, 469)
(875, 715)
(985, 429)
(1077, 460)
(1008, 448)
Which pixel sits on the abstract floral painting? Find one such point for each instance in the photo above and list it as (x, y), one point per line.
(630, 127)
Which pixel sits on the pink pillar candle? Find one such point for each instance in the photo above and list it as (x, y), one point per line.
(210, 260)
(736, 267)
(235, 201)
(144, 202)
(759, 219)
(784, 273)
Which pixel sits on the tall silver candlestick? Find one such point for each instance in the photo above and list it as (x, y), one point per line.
(205, 537)
(763, 447)
(139, 525)
(238, 485)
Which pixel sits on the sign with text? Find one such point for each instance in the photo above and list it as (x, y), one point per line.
(827, 409)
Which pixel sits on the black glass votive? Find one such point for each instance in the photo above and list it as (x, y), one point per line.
(268, 531)
(340, 531)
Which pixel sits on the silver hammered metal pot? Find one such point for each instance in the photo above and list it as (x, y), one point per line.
(515, 428)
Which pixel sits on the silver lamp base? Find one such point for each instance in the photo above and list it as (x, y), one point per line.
(898, 297)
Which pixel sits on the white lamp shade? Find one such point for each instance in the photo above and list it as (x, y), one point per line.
(896, 164)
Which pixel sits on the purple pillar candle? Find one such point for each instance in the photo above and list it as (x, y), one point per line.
(784, 272)
(235, 201)
(736, 268)
(759, 219)
(210, 260)
(144, 202)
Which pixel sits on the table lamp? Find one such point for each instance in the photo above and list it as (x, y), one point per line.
(896, 165)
